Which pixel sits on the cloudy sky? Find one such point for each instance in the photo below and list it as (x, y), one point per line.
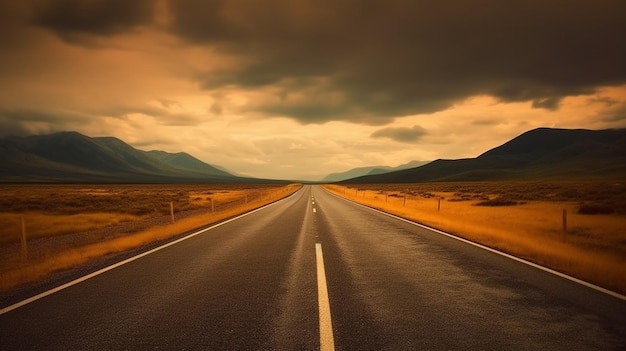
(297, 89)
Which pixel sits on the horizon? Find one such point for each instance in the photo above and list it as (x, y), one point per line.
(298, 91)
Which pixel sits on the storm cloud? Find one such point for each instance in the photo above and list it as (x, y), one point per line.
(383, 59)
(401, 134)
(76, 20)
(396, 58)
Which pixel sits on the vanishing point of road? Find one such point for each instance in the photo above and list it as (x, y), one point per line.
(311, 272)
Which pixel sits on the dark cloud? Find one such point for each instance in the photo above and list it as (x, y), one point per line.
(169, 103)
(20, 122)
(486, 122)
(398, 57)
(13, 34)
(550, 103)
(77, 20)
(27, 121)
(401, 134)
(10, 127)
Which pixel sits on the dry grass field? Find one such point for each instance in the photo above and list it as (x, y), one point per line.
(525, 219)
(69, 225)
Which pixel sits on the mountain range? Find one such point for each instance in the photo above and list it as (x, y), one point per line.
(542, 153)
(362, 171)
(73, 157)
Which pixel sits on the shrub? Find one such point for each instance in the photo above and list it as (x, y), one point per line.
(594, 209)
(498, 202)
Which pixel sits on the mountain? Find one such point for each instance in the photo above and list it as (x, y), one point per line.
(542, 153)
(353, 173)
(184, 161)
(361, 171)
(73, 157)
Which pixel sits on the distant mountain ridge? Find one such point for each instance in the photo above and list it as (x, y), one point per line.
(184, 161)
(361, 171)
(73, 157)
(542, 153)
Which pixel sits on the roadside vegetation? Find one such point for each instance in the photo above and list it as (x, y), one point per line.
(66, 226)
(577, 228)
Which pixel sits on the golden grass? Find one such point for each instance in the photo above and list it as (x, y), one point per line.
(15, 273)
(40, 225)
(52, 210)
(135, 199)
(593, 248)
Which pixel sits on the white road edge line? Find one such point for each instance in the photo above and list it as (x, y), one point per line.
(327, 341)
(121, 263)
(545, 269)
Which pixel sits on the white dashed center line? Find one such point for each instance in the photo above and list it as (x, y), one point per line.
(327, 341)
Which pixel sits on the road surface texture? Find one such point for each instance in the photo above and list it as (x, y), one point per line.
(316, 271)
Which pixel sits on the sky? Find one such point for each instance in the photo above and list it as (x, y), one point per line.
(298, 89)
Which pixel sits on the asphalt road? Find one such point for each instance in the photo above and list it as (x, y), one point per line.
(253, 284)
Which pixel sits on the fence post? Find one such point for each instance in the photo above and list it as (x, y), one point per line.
(386, 196)
(24, 252)
(172, 210)
(212, 205)
(405, 195)
(439, 204)
(564, 221)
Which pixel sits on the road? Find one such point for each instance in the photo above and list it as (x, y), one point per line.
(253, 284)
